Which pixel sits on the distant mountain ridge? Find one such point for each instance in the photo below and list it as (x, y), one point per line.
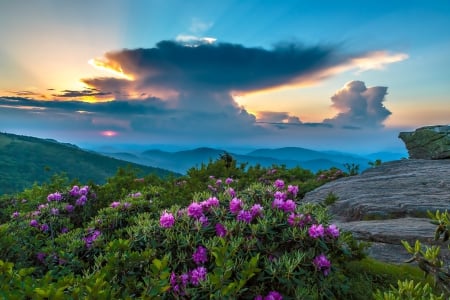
(25, 160)
(181, 161)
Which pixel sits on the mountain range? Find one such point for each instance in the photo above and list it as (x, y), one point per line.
(181, 161)
(27, 160)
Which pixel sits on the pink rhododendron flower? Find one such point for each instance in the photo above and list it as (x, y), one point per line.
(236, 205)
(204, 220)
(211, 202)
(280, 195)
(278, 203)
(197, 275)
(256, 210)
(195, 210)
(200, 255)
(115, 204)
(316, 231)
(69, 208)
(322, 264)
(167, 220)
(332, 231)
(244, 216)
(288, 206)
(273, 295)
(81, 201)
(293, 189)
(279, 184)
(221, 231)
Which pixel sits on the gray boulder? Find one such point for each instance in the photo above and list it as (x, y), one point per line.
(431, 142)
(389, 203)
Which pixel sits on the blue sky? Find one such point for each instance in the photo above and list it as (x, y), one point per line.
(340, 75)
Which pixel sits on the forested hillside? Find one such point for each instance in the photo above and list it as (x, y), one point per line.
(26, 160)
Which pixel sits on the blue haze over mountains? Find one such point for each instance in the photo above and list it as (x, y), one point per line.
(181, 161)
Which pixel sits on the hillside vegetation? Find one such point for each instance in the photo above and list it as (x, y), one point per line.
(222, 231)
(28, 160)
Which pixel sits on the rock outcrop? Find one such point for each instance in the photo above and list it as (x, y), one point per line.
(389, 203)
(431, 142)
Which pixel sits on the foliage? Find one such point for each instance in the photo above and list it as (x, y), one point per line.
(429, 261)
(352, 169)
(221, 232)
(375, 163)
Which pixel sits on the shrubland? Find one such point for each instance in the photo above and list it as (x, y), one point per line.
(223, 231)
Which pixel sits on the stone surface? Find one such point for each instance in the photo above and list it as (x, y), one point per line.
(388, 203)
(431, 142)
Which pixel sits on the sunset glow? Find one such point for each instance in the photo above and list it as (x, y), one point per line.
(111, 67)
(109, 133)
(267, 73)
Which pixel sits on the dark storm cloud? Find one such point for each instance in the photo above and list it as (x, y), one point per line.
(127, 108)
(83, 93)
(219, 67)
(359, 106)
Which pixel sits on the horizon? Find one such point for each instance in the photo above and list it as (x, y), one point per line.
(324, 76)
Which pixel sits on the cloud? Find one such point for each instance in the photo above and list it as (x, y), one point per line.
(198, 26)
(222, 67)
(277, 117)
(82, 93)
(181, 91)
(359, 106)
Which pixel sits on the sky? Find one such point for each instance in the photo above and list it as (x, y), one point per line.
(326, 75)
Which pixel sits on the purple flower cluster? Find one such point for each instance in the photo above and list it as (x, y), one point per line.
(321, 263)
(197, 275)
(167, 220)
(54, 197)
(244, 216)
(272, 295)
(236, 205)
(209, 203)
(40, 256)
(200, 255)
(178, 283)
(280, 202)
(81, 201)
(15, 215)
(91, 237)
(316, 231)
(81, 193)
(136, 195)
(229, 180)
(115, 204)
(69, 208)
(332, 231)
(293, 189)
(279, 184)
(203, 220)
(256, 210)
(299, 220)
(195, 210)
(44, 227)
(221, 231)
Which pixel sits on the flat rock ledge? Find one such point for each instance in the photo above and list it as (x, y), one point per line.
(387, 204)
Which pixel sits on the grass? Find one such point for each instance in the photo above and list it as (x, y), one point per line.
(369, 275)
